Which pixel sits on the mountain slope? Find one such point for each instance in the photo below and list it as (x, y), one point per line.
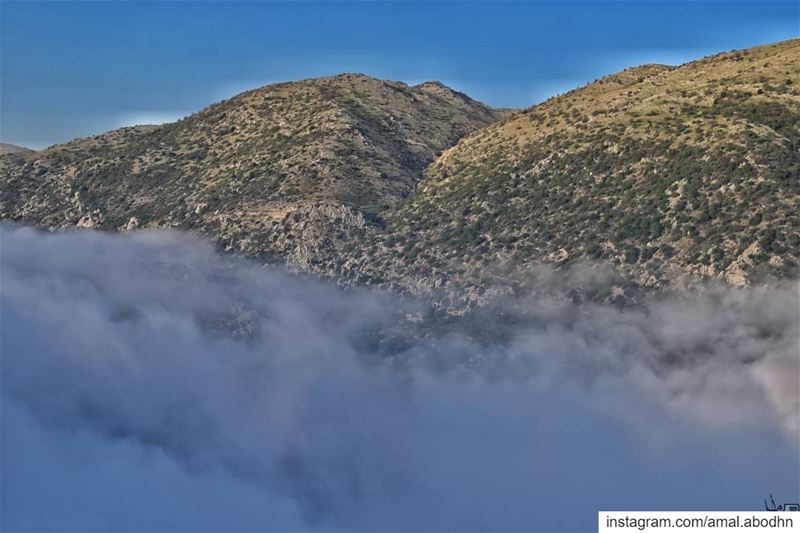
(283, 170)
(665, 173)
(6, 148)
(661, 171)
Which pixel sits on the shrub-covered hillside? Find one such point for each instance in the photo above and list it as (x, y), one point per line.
(664, 173)
(278, 171)
(661, 171)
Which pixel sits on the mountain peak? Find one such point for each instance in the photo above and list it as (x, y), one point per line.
(432, 84)
(287, 155)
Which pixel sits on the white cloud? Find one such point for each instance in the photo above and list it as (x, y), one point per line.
(140, 118)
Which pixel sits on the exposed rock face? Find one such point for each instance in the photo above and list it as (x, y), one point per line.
(664, 173)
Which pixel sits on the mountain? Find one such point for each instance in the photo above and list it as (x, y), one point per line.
(6, 148)
(279, 172)
(663, 172)
(666, 173)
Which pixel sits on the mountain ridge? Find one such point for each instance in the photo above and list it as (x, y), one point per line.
(666, 173)
(345, 147)
(662, 172)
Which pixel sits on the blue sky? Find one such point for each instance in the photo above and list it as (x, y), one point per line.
(75, 69)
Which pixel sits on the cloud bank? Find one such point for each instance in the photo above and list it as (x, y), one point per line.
(149, 383)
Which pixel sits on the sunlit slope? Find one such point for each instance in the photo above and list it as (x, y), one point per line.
(663, 171)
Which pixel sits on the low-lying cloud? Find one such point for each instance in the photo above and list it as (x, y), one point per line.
(149, 383)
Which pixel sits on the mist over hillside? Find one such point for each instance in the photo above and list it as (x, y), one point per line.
(150, 383)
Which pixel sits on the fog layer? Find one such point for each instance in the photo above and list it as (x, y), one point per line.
(149, 383)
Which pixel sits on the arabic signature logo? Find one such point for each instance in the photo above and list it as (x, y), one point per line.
(784, 507)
